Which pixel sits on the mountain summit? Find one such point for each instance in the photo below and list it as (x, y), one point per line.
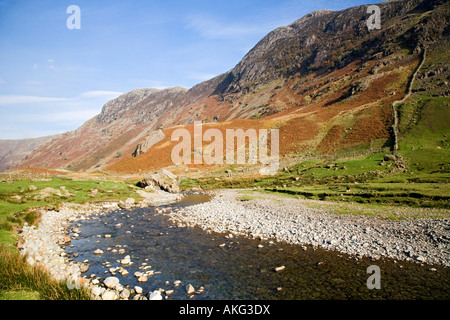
(325, 81)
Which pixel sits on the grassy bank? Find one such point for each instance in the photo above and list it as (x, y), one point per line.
(366, 179)
(20, 281)
(19, 201)
(379, 210)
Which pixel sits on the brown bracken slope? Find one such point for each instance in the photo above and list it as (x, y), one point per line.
(325, 81)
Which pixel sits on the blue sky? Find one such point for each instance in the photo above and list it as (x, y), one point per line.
(53, 79)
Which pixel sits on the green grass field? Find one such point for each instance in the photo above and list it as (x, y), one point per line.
(18, 280)
(16, 199)
(425, 134)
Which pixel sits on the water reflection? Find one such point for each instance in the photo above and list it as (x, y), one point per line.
(237, 267)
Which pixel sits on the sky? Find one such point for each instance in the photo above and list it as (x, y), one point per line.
(54, 78)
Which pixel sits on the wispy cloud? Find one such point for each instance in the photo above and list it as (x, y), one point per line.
(148, 83)
(34, 115)
(17, 99)
(66, 117)
(100, 94)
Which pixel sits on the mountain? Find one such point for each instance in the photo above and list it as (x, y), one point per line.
(13, 151)
(325, 81)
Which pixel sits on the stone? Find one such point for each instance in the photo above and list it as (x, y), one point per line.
(125, 294)
(390, 157)
(97, 291)
(84, 267)
(163, 180)
(421, 259)
(98, 251)
(190, 289)
(143, 279)
(281, 268)
(155, 295)
(93, 193)
(138, 290)
(109, 295)
(32, 188)
(111, 282)
(126, 261)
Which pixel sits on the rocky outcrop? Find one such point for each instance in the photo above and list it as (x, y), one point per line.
(327, 40)
(115, 109)
(151, 140)
(163, 180)
(276, 75)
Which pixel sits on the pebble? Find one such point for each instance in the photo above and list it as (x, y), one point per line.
(190, 289)
(419, 240)
(109, 295)
(46, 245)
(155, 295)
(111, 282)
(138, 290)
(281, 268)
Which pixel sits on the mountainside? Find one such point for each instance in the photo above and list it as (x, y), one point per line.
(13, 151)
(325, 81)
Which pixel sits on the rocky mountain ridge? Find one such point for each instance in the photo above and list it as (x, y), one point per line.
(325, 75)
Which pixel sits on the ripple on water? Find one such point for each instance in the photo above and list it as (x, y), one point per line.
(238, 267)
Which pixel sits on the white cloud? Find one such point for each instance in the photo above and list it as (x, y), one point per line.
(101, 94)
(22, 99)
(18, 99)
(148, 83)
(66, 117)
(32, 116)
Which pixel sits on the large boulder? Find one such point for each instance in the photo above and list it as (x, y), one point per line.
(390, 157)
(162, 180)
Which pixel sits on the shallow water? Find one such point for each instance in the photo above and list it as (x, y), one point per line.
(240, 269)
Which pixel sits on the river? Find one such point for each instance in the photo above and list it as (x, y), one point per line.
(239, 268)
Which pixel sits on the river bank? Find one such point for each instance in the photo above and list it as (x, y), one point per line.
(55, 245)
(425, 241)
(46, 244)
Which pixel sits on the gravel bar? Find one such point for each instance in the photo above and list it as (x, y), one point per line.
(288, 220)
